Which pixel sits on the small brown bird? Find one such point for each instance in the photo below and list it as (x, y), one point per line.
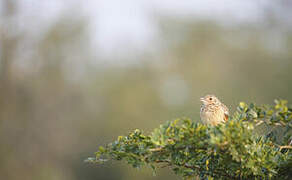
(213, 111)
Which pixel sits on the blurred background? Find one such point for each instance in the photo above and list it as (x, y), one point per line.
(74, 75)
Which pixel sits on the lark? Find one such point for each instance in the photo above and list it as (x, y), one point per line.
(213, 111)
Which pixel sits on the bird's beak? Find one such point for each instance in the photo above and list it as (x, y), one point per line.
(202, 99)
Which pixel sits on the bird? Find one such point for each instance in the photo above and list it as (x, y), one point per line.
(213, 111)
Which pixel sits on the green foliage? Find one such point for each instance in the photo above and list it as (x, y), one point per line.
(235, 150)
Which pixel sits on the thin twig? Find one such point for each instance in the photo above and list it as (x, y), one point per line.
(169, 163)
(155, 149)
(285, 147)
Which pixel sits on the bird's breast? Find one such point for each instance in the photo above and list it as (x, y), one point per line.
(212, 115)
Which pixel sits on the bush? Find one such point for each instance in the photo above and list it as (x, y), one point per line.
(254, 144)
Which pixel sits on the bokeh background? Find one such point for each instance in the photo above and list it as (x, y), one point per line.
(76, 74)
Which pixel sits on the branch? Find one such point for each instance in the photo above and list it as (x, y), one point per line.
(169, 163)
(285, 147)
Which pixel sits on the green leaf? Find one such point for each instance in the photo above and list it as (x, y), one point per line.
(234, 150)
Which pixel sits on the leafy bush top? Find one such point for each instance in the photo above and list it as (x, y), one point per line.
(254, 144)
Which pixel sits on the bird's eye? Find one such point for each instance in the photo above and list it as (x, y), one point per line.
(210, 99)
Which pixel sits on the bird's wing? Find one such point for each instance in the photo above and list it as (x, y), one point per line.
(226, 112)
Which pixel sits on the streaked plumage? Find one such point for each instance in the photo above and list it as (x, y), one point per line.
(213, 111)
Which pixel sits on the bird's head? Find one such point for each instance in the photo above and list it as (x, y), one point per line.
(209, 99)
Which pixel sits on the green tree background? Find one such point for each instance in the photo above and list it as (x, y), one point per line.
(57, 105)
